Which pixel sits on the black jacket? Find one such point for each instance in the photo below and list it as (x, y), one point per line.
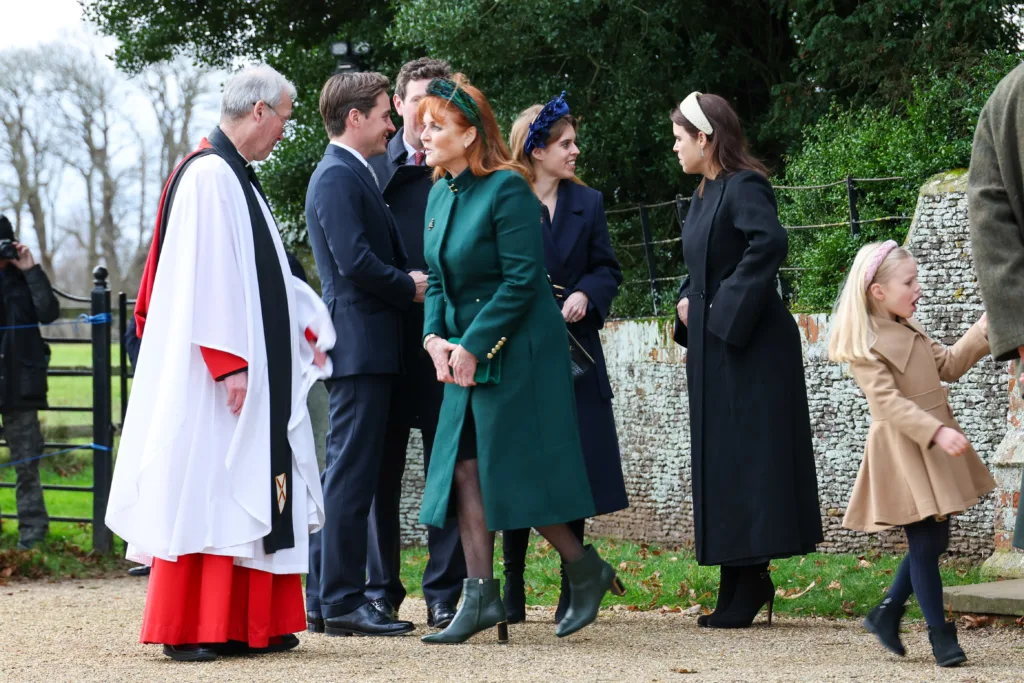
(28, 299)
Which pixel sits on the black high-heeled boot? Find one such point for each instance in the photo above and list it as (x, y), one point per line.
(515, 543)
(728, 579)
(753, 591)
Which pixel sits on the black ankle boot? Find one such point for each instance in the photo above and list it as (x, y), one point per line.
(945, 645)
(563, 598)
(884, 622)
(515, 595)
(728, 579)
(753, 591)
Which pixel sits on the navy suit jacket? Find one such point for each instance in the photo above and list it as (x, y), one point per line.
(361, 261)
(578, 256)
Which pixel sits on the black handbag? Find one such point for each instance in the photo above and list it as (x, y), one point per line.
(582, 363)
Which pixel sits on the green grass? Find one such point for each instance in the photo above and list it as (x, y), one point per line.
(77, 391)
(839, 586)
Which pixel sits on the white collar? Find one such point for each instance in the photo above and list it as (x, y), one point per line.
(409, 149)
(354, 153)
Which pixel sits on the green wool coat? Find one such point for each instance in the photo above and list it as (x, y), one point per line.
(995, 202)
(487, 286)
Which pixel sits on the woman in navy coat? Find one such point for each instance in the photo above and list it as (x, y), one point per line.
(585, 277)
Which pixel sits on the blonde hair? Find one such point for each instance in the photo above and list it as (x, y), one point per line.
(852, 331)
(521, 130)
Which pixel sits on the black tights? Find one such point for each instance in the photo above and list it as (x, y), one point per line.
(478, 541)
(515, 543)
(918, 573)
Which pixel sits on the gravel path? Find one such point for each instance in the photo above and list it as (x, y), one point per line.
(88, 631)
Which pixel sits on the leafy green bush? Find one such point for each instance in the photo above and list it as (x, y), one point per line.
(931, 133)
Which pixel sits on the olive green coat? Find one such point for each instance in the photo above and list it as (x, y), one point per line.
(487, 286)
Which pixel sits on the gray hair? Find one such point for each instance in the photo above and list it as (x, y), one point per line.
(252, 85)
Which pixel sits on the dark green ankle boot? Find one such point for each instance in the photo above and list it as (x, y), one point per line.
(481, 609)
(590, 578)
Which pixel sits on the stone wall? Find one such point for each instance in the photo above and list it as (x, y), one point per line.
(647, 373)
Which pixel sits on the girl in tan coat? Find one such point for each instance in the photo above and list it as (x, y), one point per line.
(918, 467)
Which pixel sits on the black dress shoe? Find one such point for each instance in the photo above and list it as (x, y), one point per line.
(366, 621)
(190, 653)
(139, 571)
(384, 606)
(235, 648)
(314, 622)
(440, 614)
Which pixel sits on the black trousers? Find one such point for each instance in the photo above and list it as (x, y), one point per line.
(360, 404)
(515, 543)
(446, 566)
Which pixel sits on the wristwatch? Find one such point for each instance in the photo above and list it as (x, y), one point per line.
(426, 340)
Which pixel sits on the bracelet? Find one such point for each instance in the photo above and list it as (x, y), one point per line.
(426, 340)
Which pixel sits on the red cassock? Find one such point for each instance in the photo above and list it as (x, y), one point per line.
(207, 598)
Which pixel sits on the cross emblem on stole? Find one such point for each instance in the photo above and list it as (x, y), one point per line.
(282, 496)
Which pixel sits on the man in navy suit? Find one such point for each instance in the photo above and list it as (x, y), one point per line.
(361, 261)
(406, 182)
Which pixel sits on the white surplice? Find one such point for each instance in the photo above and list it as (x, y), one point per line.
(190, 476)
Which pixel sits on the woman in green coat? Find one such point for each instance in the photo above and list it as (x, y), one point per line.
(507, 451)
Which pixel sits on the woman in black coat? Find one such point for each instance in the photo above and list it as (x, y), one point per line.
(585, 277)
(755, 492)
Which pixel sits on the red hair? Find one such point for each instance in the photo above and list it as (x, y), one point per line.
(488, 152)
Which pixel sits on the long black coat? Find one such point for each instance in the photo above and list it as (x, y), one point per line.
(755, 490)
(578, 257)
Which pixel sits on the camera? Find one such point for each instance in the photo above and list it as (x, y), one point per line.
(8, 252)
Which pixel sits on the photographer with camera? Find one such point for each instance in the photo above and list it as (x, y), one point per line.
(26, 299)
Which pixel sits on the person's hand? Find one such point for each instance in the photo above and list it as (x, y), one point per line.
(683, 309)
(319, 357)
(25, 259)
(951, 441)
(440, 349)
(237, 385)
(983, 324)
(464, 366)
(420, 280)
(575, 307)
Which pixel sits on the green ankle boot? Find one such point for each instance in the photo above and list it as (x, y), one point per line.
(590, 578)
(481, 609)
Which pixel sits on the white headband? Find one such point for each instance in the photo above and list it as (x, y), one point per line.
(690, 108)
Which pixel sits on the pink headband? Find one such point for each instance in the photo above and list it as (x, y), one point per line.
(876, 260)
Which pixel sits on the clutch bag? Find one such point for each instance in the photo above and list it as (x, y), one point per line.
(581, 360)
(486, 373)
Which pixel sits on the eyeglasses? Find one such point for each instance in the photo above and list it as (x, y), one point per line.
(287, 124)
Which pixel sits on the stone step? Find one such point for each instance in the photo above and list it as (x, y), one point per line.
(998, 597)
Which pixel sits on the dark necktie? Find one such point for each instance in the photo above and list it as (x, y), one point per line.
(418, 157)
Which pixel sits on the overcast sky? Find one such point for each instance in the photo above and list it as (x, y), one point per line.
(31, 22)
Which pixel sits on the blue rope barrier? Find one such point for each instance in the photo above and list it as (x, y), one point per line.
(84, 319)
(93, 446)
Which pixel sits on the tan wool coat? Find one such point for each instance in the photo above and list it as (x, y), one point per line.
(904, 477)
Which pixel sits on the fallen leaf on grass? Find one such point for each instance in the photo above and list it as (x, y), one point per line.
(794, 593)
(848, 606)
(673, 559)
(6, 573)
(864, 564)
(695, 610)
(683, 671)
(671, 610)
(1020, 620)
(835, 586)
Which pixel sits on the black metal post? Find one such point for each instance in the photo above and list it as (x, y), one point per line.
(122, 308)
(645, 228)
(851, 195)
(102, 427)
(680, 210)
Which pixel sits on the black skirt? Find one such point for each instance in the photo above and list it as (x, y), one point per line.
(467, 440)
